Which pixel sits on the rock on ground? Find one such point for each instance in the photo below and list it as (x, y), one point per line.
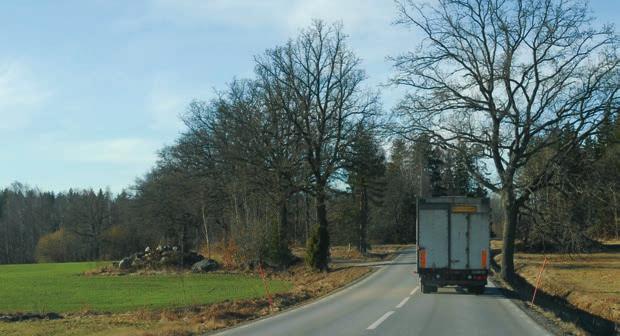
(204, 266)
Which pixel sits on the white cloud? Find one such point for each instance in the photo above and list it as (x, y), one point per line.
(20, 95)
(165, 103)
(361, 15)
(240, 13)
(165, 108)
(287, 15)
(243, 13)
(368, 22)
(130, 151)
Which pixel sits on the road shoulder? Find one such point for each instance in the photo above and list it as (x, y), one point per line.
(374, 270)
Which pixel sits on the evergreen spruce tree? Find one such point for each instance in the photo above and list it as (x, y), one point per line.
(366, 169)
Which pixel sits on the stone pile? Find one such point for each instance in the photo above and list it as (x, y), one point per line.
(166, 256)
(16, 317)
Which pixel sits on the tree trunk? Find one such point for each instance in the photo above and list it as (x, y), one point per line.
(615, 201)
(511, 212)
(284, 254)
(283, 227)
(307, 222)
(6, 243)
(321, 213)
(206, 227)
(297, 221)
(321, 209)
(363, 246)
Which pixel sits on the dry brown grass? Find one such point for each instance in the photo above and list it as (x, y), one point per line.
(350, 253)
(590, 282)
(226, 255)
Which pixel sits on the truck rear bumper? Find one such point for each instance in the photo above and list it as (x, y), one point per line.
(447, 277)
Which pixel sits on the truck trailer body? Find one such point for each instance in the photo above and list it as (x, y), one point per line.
(453, 237)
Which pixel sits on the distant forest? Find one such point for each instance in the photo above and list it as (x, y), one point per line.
(172, 205)
(235, 205)
(302, 153)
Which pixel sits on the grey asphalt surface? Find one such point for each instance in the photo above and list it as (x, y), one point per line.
(390, 301)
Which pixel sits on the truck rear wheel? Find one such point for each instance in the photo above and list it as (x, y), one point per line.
(427, 289)
(476, 289)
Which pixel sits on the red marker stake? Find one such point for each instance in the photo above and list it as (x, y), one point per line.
(539, 279)
(264, 277)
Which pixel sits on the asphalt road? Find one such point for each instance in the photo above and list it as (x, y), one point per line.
(389, 302)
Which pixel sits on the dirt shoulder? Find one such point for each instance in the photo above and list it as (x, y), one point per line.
(350, 255)
(581, 292)
(306, 286)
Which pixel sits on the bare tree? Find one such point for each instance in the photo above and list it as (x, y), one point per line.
(499, 75)
(248, 129)
(89, 217)
(317, 81)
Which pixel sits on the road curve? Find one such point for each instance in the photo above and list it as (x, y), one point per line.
(389, 303)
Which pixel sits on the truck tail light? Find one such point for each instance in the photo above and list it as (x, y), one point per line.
(422, 258)
(484, 258)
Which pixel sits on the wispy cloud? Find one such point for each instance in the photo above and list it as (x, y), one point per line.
(58, 162)
(369, 22)
(165, 108)
(166, 104)
(239, 13)
(360, 15)
(20, 95)
(120, 151)
(287, 15)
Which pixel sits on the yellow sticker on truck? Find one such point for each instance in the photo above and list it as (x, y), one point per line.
(464, 208)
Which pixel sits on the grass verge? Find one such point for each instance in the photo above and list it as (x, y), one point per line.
(174, 317)
(576, 288)
(62, 288)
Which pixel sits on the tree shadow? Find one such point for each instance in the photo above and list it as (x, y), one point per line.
(458, 290)
(344, 265)
(612, 247)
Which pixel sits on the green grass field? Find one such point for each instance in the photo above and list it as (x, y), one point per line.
(61, 288)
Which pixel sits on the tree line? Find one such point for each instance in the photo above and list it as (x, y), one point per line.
(513, 100)
(374, 202)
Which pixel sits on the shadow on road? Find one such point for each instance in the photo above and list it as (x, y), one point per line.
(488, 292)
(401, 263)
(342, 265)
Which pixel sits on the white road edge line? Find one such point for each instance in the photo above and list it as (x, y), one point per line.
(380, 320)
(414, 290)
(402, 303)
(294, 310)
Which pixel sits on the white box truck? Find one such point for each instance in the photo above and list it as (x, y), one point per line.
(453, 238)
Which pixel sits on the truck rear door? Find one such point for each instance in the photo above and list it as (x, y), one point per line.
(459, 241)
(479, 241)
(469, 238)
(433, 237)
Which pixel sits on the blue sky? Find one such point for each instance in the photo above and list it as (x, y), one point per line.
(90, 90)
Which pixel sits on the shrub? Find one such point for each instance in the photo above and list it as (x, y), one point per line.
(317, 250)
(274, 251)
(55, 247)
